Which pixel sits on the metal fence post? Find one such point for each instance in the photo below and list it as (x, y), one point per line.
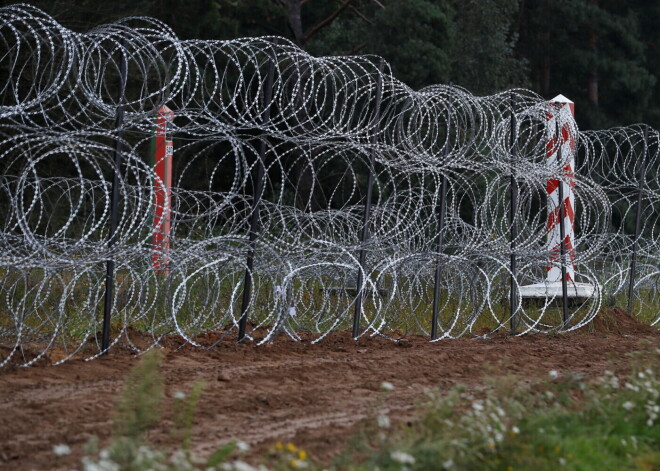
(513, 232)
(367, 207)
(114, 201)
(256, 202)
(638, 221)
(441, 212)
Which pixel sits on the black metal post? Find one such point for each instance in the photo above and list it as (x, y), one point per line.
(256, 203)
(440, 227)
(638, 221)
(114, 202)
(513, 231)
(562, 235)
(367, 207)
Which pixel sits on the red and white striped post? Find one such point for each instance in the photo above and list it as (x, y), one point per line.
(163, 152)
(560, 129)
(561, 137)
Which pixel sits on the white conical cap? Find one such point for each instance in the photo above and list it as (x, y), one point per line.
(561, 99)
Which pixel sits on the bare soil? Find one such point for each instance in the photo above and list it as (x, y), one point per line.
(315, 396)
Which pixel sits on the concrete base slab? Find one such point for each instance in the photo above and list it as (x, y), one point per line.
(554, 290)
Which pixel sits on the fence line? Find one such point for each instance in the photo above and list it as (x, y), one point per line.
(309, 195)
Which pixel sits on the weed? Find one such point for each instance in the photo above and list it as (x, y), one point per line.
(138, 411)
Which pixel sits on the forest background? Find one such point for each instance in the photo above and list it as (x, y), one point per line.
(603, 54)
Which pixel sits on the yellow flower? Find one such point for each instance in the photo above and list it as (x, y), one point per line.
(509, 468)
(569, 456)
(294, 464)
(491, 445)
(279, 446)
(557, 449)
(291, 447)
(302, 454)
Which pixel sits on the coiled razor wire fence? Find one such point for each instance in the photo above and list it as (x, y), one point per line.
(308, 195)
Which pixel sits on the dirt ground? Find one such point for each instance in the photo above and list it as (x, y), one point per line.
(312, 395)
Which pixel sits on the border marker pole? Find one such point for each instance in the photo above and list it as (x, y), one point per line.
(163, 156)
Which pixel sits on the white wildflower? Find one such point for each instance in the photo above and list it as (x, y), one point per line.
(242, 446)
(562, 461)
(402, 457)
(387, 386)
(478, 406)
(179, 459)
(554, 374)
(614, 382)
(238, 466)
(448, 464)
(101, 465)
(383, 421)
(146, 452)
(628, 405)
(179, 395)
(89, 465)
(62, 449)
(515, 430)
(109, 465)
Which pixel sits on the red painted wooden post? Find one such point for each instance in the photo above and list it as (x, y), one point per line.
(163, 155)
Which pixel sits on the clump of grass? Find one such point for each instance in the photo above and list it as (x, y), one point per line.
(138, 411)
(139, 407)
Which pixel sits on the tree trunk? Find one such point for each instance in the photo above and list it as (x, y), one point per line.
(592, 83)
(545, 67)
(294, 18)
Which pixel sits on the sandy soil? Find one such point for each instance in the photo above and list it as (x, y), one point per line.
(312, 395)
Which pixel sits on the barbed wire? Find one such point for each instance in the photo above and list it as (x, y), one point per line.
(304, 144)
